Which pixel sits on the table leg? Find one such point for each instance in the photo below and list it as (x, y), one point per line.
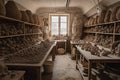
(76, 61)
(39, 75)
(53, 53)
(89, 70)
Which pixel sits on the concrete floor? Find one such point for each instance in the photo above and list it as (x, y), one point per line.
(64, 69)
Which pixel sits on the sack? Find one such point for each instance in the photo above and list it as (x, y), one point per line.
(94, 21)
(61, 51)
(35, 18)
(29, 13)
(90, 21)
(24, 16)
(114, 12)
(118, 14)
(2, 8)
(97, 19)
(102, 16)
(86, 23)
(12, 10)
(107, 16)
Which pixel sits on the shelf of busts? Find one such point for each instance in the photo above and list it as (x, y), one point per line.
(113, 22)
(114, 33)
(19, 21)
(20, 35)
(101, 33)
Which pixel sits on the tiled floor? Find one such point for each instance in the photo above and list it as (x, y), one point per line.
(64, 69)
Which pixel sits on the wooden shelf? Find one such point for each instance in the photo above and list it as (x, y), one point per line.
(19, 35)
(103, 24)
(89, 32)
(101, 33)
(15, 20)
(104, 33)
(90, 26)
(117, 34)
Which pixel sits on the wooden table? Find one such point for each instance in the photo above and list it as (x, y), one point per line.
(33, 71)
(96, 59)
(14, 75)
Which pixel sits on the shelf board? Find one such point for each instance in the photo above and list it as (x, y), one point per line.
(103, 23)
(19, 35)
(104, 33)
(90, 26)
(118, 34)
(89, 32)
(10, 19)
(99, 33)
(15, 20)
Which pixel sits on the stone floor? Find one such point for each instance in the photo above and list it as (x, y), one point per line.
(64, 69)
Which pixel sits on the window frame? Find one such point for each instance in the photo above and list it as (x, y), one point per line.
(59, 23)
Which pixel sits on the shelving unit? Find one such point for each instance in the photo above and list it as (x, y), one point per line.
(22, 39)
(105, 29)
(20, 35)
(101, 33)
(12, 30)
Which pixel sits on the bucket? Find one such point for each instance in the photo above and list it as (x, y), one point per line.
(48, 67)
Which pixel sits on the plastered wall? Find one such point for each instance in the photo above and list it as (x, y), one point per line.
(76, 17)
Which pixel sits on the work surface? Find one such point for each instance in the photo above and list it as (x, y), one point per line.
(89, 56)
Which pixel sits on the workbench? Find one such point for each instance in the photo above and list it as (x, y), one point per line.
(93, 59)
(33, 71)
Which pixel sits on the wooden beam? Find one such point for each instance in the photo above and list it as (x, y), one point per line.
(67, 3)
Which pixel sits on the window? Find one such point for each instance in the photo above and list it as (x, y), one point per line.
(55, 24)
(59, 25)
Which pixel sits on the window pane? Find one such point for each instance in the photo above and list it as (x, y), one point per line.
(63, 19)
(63, 28)
(55, 18)
(54, 29)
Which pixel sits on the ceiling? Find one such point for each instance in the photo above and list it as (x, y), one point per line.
(85, 5)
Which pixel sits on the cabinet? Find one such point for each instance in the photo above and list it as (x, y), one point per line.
(89, 61)
(104, 34)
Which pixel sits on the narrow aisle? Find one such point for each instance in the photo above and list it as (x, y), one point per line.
(65, 68)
